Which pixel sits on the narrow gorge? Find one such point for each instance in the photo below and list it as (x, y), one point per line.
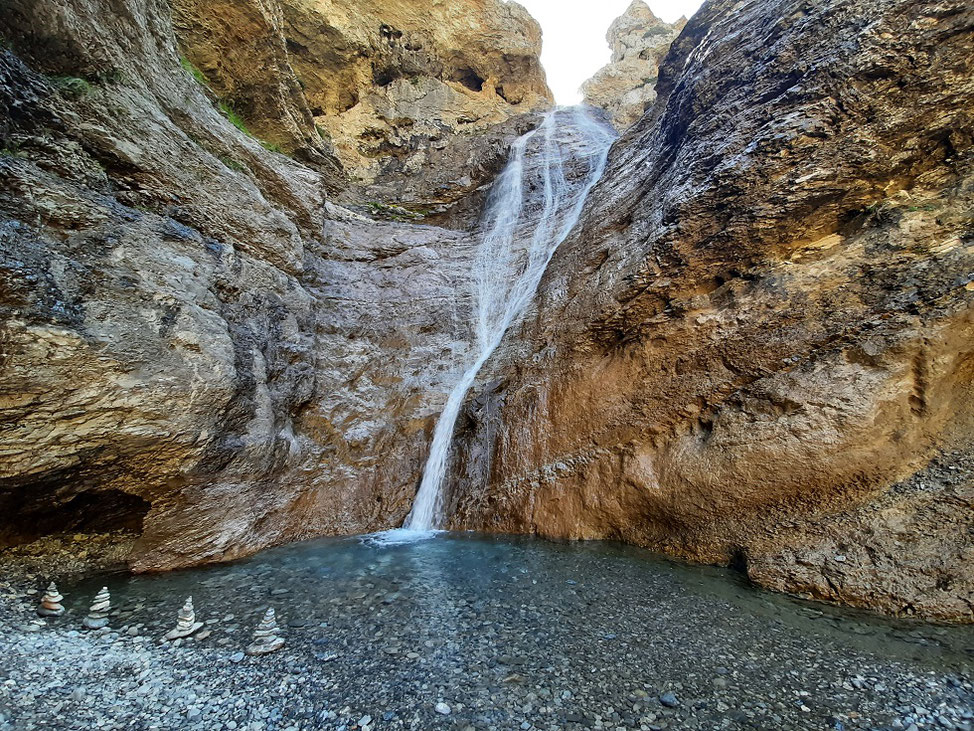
(327, 307)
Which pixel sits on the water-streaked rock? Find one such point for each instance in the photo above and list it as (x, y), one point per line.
(760, 333)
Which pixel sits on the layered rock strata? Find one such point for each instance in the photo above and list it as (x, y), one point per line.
(760, 334)
(399, 91)
(196, 346)
(754, 349)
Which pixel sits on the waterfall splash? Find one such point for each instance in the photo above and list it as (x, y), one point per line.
(534, 204)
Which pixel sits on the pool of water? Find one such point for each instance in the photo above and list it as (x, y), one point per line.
(500, 624)
(579, 587)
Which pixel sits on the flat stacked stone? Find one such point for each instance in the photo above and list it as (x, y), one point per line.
(266, 637)
(98, 613)
(51, 603)
(186, 623)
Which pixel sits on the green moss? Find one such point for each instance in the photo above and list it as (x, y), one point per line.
(234, 118)
(11, 149)
(73, 87)
(193, 71)
(657, 30)
(393, 212)
(237, 121)
(232, 164)
(111, 76)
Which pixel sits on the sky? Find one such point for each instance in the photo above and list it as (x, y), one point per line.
(574, 37)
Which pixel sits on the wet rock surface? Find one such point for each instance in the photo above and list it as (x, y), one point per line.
(761, 327)
(488, 633)
(198, 350)
(754, 349)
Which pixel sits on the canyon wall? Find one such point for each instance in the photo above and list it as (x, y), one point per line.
(197, 345)
(757, 346)
(408, 95)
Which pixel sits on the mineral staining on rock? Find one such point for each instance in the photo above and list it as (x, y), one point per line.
(186, 623)
(266, 636)
(760, 332)
(50, 605)
(390, 80)
(626, 87)
(199, 349)
(98, 613)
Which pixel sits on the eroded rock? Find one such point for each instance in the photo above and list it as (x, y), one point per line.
(387, 87)
(626, 87)
(763, 321)
(197, 348)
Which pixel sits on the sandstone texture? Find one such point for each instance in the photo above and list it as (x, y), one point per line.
(626, 87)
(196, 346)
(405, 103)
(757, 346)
(391, 81)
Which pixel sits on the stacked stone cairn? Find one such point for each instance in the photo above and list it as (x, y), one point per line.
(266, 637)
(98, 614)
(186, 623)
(51, 603)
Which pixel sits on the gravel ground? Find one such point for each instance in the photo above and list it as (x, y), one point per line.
(465, 632)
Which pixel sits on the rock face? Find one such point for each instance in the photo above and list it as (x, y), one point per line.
(389, 86)
(409, 74)
(760, 334)
(755, 347)
(626, 87)
(196, 346)
(238, 52)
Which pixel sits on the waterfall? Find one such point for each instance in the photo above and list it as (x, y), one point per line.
(532, 206)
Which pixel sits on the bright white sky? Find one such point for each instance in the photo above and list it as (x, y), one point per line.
(574, 36)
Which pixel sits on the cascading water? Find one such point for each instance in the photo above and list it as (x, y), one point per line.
(534, 204)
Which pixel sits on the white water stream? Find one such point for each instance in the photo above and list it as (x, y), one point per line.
(533, 205)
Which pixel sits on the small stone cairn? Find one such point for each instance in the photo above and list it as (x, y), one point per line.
(51, 603)
(186, 623)
(266, 638)
(98, 614)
